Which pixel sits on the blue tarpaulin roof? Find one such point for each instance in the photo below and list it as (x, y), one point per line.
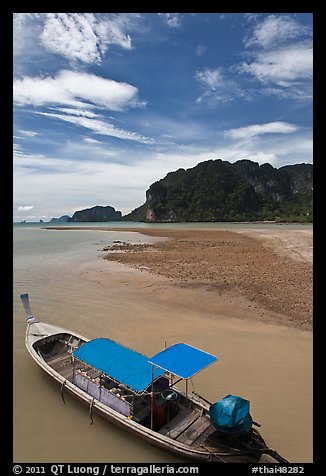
(127, 366)
(182, 360)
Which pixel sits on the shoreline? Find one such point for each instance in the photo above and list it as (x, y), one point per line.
(271, 271)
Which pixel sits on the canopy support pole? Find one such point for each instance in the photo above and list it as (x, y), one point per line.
(152, 399)
(177, 381)
(73, 368)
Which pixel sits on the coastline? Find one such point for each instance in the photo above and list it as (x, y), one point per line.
(268, 271)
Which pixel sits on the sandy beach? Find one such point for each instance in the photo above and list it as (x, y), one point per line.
(268, 272)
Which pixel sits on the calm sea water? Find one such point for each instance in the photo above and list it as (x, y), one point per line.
(72, 286)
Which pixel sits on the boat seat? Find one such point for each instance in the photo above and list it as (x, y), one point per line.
(109, 385)
(55, 359)
(93, 373)
(67, 373)
(193, 431)
(179, 423)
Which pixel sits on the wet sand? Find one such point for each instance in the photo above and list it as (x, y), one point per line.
(270, 269)
(267, 363)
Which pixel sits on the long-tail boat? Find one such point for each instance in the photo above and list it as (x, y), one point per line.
(140, 393)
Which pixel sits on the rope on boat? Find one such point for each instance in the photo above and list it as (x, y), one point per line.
(62, 385)
(199, 396)
(212, 453)
(91, 411)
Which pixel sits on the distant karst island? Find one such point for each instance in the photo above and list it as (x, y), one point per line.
(217, 190)
(93, 214)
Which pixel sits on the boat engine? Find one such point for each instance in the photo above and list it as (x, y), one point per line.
(231, 415)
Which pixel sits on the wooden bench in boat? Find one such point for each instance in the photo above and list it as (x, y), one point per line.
(204, 436)
(109, 385)
(193, 431)
(93, 373)
(179, 423)
(67, 373)
(56, 362)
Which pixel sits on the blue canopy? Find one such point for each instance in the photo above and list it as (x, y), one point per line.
(182, 360)
(124, 365)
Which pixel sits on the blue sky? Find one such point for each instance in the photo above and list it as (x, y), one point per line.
(106, 104)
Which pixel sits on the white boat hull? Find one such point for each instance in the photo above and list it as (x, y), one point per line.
(37, 331)
(189, 434)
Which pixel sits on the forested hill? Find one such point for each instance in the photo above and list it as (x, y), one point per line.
(97, 213)
(217, 190)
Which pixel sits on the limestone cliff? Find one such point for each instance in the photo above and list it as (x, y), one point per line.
(217, 190)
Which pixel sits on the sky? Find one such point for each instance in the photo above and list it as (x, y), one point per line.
(105, 104)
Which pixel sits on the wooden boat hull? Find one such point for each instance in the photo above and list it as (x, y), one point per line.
(39, 334)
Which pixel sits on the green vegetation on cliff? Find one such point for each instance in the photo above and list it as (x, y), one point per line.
(217, 190)
(96, 214)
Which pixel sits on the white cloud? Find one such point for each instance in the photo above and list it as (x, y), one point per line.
(113, 29)
(26, 48)
(76, 37)
(80, 92)
(25, 208)
(169, 131)
(200, 50)
(99, 127)
(284, 66)
(29, 133)
(171, 19)
(274, 30)
(280, 57)
(217, 88)
(76, 112)
(92, 141)
(104, 92)
(81, 36)
(77, 89)
(254, 130)
(264, 158)
(210, 77)
(251, 16)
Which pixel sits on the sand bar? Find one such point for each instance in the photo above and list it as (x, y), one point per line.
(267, 270)
(271, 269)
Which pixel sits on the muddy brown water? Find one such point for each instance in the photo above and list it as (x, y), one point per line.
(72, 286)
